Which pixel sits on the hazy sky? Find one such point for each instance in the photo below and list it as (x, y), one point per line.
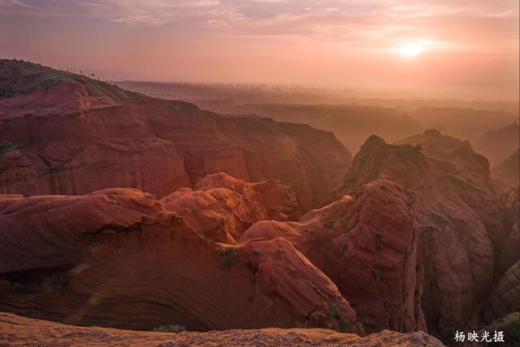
(448, 46)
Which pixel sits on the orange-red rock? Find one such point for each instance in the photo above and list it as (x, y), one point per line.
(505, 298)
(79, 135)
(459, 216)
(222, 207)
(367, 244)
(118, 258)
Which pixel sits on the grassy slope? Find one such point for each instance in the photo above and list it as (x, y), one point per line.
(18, 77)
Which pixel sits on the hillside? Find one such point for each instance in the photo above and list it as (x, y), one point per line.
(497, 145)
(18, 77)
(352, 124)
(463, 122)
(74, 135)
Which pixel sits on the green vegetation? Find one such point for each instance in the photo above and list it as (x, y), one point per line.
(18, 77)
(7, 146)
(228, 256)
(328, 225)
(173, 328)
(335, 314)
(510, 325)
(251, 267)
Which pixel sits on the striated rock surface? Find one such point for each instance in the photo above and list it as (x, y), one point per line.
(458, 213)
(222, 207)
(367, 244)
(505, 298)
(510, 252)
(19, 330)
(68, 134)
(103, 257)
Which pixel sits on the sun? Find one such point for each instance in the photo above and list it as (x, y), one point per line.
(411, 50)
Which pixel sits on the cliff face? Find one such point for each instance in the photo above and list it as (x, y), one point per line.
(459, 218)
(72, 135)
(367, 245)
(99, 258)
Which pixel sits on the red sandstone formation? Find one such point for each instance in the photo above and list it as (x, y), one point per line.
(510, 252)
(222, 207)
(73, 135)
(36, 332)
(459, 217)
(367, 245)
(505, 298)
(100, 258)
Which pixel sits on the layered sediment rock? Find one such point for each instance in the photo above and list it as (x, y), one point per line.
(74, 135)
(222, 207)
(100, 258)
(459, 219)
(367, 244)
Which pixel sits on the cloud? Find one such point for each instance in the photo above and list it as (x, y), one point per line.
(13, 4)
(459, 23)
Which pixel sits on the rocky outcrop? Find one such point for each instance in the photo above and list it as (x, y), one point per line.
(222, 207)
(458, 214)
(510, 252)
(73, 135)
(36, 332)
(367, 244)
(505, 299)
(98, 259)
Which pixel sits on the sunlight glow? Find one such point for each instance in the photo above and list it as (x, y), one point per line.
(411, 50)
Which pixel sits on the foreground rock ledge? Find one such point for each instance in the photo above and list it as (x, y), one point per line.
(18, 331)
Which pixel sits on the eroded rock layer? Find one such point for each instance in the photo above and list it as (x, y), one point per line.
(367, 244)
(74, 135)
(100, 258)
(459, 219)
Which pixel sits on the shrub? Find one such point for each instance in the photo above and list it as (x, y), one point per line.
(228, 256)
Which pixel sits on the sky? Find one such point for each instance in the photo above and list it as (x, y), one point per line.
(466, 48)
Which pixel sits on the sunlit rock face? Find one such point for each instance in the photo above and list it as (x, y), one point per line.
(222, 207)
(459, 218)
(99, 258)
(367, 244)
(74, 135)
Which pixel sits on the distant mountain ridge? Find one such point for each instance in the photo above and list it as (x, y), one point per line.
(69, 134)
